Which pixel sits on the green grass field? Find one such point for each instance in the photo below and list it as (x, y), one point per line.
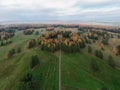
(78, 74)
(76, 70)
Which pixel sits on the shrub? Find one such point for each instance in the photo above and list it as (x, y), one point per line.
(11, 53)
(104, 88)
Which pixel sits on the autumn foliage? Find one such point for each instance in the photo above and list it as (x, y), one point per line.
(66, 40)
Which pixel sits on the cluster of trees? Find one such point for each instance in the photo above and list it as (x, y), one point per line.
(52, 47)
(31, 43)
(72, 46)
(84, 28)
(99, 54)
(68, 26)
(102, 38)
(5, 42)
(50, 28)
(28, 81)
(115, 30)
(28, 32)
(95, 67)
(6, 35)
(105, 41)
(5, 38)
(91, 36)
(105, 38)
(7, 29)
(55, 34)
(68, 41)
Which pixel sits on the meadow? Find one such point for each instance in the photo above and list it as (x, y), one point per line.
(77, 73)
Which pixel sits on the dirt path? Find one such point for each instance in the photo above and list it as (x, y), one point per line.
(60, 71)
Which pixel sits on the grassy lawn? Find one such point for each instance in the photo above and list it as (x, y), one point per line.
(12, 70)
(77, 74)
(76, 69)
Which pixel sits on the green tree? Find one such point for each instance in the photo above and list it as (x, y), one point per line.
(11, 53)
(99, 54)
(28, 82)
(37, 33)
(34, 61)
(111, 61)
(119, 36)
(118, 49)
(31, 43)
(94, 66)
(105, 41)
(2, 43)
(89, 49)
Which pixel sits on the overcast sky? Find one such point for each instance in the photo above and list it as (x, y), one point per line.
(60, 10)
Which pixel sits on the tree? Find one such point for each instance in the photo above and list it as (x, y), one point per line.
(70, 43)
(9, 54)
(119, 36)
(36, 33)
(94, 66)
(28, 82)
(111, 61)
(2, 43)
(31, 43)
(99, 54)
(34, 61)
(105, 41)
(13, 51)
(118, 49)
(28, 32)
(89, 49)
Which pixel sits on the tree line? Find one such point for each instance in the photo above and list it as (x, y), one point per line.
(66, 40)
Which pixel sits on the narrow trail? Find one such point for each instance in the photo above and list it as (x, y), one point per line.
(60, 87)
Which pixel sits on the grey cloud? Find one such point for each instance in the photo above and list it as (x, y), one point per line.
(80, 10)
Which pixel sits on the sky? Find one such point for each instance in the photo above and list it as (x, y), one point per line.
(59, 10)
